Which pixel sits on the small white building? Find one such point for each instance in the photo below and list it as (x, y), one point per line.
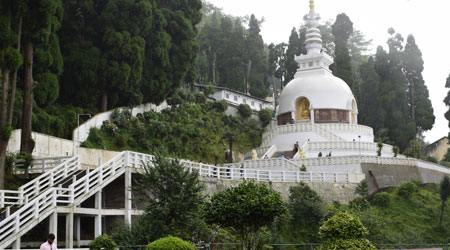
(237, 98)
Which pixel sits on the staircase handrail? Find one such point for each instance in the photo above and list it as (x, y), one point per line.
(37, 209)
(44, 181)
(39, 165)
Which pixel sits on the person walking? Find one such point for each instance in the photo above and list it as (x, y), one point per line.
(49, 244)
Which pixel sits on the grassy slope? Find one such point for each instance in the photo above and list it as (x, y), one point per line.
(413, 219)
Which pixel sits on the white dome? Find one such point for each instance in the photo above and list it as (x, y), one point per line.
(322, 89)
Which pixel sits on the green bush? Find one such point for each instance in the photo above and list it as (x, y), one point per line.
(407, 189)
(109, 128)
(170, 243)
(199, 98)
(265, 116)
(303, 168)
(320, 154)
(121, 117)
(220, 106)
(244, 110)
(344, 231)
(432, 159)
(359, 203)
(120, 140)
(104, 242)
(381, 199)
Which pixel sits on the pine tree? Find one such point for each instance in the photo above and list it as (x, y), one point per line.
(342, 67)
(447, 103)
(421, 110)
(371, 112)
(294, 49)
(257, 63)
(393, 94)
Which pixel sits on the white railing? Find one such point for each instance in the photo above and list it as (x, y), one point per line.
(347, 145)
(259, 151)
(40, 165)
(41, 183)
(32, 213)
(265, 164)
(433, 166)
(270, 152)
(323, 129)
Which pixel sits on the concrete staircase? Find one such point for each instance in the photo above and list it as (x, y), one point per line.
(287, 154)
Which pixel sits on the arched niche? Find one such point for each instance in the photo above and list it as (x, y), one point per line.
(302, 109)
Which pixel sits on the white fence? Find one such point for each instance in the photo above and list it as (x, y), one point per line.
(39, 165)
(43, 182)
(325, 130)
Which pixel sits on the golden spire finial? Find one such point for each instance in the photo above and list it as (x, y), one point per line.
(311, 6)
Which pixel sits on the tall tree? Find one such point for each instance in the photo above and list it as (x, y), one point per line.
(35, 34)
(294, 49)
(393, 93)
(342, 67)
(371, 112)
(421, 110)
(257, 64)
(10, 61)
(447, 103)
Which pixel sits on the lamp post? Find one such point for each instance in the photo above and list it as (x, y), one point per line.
(78, 124)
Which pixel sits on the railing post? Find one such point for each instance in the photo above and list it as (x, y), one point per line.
(231, 173)
(282, 176)
(55, 192)
(36, 209)
(87, 180)
(298, 176)
(2, 199)
(52, 179)
(8, 212)
(257, 175)
(310, 177)
(43, 165)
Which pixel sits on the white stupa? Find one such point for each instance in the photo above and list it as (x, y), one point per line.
(317, 110)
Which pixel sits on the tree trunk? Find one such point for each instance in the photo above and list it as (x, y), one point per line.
(4, 98)
(214, 69)
(412, 93)
(14, 80)
(27, 143)
(104, 105)
(3, 145)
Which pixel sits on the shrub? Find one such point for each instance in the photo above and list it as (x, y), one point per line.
(170, 243)
(320, 154)
(362, 189)
(395, 150)
(121, 117)
(220, 106)
(209, 89)
(244, 110)
(432, 159)
(407, 189)
(120, 140)
(109, 128)
(200, 98)
(303, 168)
(381, 199)
(103, 241)
(359, 203)
(344, 231)
(265, 116)
(380, 147)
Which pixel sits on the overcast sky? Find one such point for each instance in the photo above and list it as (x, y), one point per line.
(427, 20)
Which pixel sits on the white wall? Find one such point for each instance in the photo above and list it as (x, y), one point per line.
(46, 145)
(286, 142)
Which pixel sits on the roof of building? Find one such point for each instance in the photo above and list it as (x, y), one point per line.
(235, 91)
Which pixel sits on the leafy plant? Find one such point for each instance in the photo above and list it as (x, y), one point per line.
(344, 231)
(244, 110)
(170, 243)
(407, 189)
(265, 116)
(103, 242)
(444, 194)
(246, 208)
(380, 147)
(381, 199)
(362, 189)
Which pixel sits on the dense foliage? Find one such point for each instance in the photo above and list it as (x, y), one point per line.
(189, 131)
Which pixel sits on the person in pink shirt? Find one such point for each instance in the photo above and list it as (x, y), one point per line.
(48, 245)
